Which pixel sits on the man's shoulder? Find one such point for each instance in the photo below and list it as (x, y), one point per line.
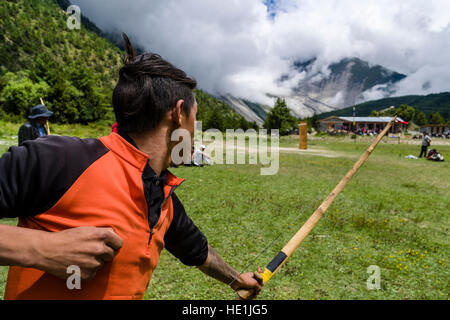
(66, 141)
(64, 147)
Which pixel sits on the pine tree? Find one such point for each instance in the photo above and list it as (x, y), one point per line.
(280, 118)
(421, 119)
(436, 118)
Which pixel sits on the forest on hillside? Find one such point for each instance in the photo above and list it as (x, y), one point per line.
(74, 71)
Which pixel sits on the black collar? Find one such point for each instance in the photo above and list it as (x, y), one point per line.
(127, 138)
(149, 174)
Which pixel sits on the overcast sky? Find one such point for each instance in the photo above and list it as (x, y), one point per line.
(243, 46)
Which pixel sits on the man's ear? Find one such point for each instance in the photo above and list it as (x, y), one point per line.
(177, 113)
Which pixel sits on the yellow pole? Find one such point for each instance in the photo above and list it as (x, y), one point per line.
(46, 124)
(303, 136)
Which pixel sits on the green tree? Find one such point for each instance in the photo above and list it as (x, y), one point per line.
(436, 118)
(20, 94)
(374, 113)
(315, 122)
(421, 119)
(215, 121)
(406, 112)
(76, 84)
(75, 72)
(218, 115)
(280, 118)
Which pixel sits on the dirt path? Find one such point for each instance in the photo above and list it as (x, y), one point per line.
(312, 152)
(254, 150)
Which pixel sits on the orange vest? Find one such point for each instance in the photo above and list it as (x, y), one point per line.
(109, 193)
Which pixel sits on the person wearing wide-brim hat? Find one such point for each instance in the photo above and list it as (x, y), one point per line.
(35, 127)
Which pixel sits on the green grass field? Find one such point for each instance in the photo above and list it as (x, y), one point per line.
(393, 214)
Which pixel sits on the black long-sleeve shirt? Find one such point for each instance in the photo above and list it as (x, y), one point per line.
(35, 176)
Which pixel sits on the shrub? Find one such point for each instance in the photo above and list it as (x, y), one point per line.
(20, 94)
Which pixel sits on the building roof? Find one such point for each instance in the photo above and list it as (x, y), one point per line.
(364, 119)
(435, 125)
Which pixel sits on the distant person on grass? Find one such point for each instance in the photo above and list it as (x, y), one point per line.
(36, 126)
(200, 156)
(107, 205)
(426, 142)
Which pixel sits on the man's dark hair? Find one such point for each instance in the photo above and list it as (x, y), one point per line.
(148, 87)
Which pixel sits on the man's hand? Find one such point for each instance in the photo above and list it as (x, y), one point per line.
(217, 268)
(250, 281)
(86, 247)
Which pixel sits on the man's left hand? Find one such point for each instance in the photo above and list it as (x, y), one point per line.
(250, 281)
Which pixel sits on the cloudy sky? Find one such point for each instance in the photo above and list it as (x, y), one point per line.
(243, 46)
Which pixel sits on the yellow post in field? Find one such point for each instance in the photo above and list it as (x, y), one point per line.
(303, 136)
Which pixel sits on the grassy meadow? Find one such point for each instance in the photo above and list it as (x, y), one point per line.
(393, 214)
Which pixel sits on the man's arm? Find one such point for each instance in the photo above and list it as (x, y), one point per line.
(53, 252)
(15, 246)
(32, 179)
(218, 269)
(185, 241)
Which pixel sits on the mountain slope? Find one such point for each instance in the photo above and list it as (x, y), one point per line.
(325, 89)
(428, 104)
(249, 110)
(340, 85)
(74, 71)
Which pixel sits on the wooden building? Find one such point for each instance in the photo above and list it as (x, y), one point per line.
(355, 124)
(435, 129)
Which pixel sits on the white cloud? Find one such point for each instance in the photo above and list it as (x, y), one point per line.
(237, 47)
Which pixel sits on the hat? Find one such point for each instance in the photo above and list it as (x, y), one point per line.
(40, 111)
(202, 147)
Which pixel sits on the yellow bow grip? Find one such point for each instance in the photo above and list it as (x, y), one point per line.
(267, 274)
